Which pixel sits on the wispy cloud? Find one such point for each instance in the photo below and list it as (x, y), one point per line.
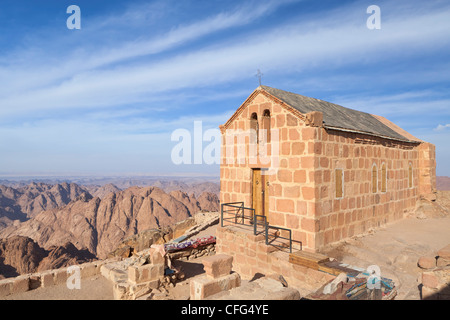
(122, 84)
(441, 127)
(333, 40)
(22, 72)
(399, 104)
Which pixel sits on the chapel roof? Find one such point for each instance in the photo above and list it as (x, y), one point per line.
(342, 118)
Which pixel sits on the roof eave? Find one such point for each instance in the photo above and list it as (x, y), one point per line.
(370, 134)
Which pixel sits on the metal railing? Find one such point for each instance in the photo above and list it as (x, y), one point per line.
(259, 220)
(236, 214)
(276, 238)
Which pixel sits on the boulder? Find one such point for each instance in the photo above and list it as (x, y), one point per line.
(444, 252)
(427, 262)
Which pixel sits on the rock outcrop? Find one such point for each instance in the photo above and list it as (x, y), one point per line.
(23, 203)
(99, 225)
(21, 255)
(437, 208)
(103, 191)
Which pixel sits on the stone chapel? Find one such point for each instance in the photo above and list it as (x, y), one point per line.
(320, 170)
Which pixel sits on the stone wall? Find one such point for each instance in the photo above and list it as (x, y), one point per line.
(427, 169)
(435, 277)
(251, 256)
(291, 184)
(302, 188)
(366, 202)
(193, 253)
(48, 278)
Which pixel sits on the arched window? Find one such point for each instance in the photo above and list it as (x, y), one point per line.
(374, 179)
(410, 176)
(266, 124)
(383, 178)
(254, 126)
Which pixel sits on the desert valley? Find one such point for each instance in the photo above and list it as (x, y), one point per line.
(47, 226)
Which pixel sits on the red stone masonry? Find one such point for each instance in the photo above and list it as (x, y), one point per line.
(303, 188)
(251, 256)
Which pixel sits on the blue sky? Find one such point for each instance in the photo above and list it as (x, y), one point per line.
(105, 99)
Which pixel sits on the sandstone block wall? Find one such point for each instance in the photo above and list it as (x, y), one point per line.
(251, 256)
(47, 278)
(366, 202)
(302, 188)
(217, 278)
(218, 265)
(291, 185)
(427, 168)
(435, 277)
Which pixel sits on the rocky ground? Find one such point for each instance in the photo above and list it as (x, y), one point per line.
(397, 247)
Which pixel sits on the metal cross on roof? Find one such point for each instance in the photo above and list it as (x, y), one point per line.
(259, 74)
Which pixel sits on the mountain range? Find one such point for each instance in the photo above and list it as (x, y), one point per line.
(22, 203)
(50, 220)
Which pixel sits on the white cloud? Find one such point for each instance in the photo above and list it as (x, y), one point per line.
(333, 40)
(441, 127)
(100, 79)
(34, 68)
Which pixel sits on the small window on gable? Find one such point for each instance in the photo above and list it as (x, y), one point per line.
(254, 125)
(410, 176)
(383, 178)
(374, 179)
(266, 124)
(339, 173)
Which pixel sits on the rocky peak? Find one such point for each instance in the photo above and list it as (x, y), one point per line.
(100, 224)
(26, 202)
(21, 255)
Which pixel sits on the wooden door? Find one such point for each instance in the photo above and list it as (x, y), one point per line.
(260, 193)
